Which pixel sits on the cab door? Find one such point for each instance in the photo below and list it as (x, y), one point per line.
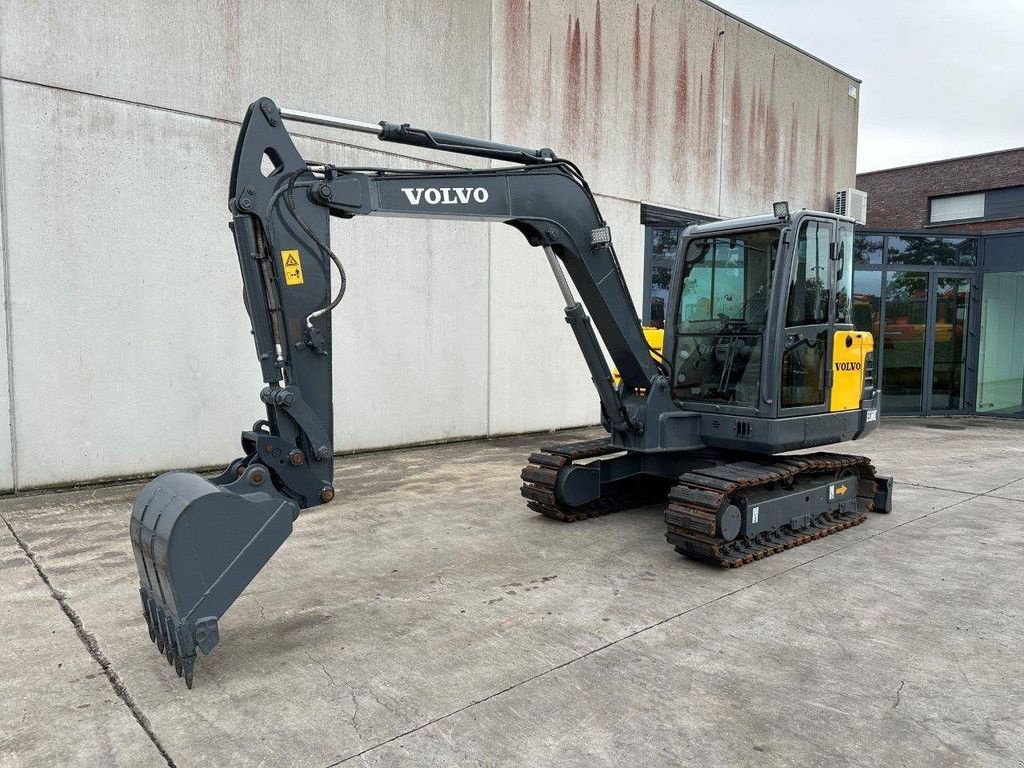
(808, 323)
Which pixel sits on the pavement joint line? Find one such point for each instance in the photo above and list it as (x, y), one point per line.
(1011, 482)
(89, 641)
(640, 631)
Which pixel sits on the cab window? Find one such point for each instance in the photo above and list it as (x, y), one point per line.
(808, 285)
(723, 310)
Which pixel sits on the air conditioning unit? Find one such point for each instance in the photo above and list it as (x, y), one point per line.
(853, 203)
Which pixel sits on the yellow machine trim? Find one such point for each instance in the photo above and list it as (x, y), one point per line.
(849, 352)
(655, 340)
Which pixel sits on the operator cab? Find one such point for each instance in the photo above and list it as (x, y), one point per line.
(760, 318)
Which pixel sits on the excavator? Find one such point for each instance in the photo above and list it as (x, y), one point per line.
(759, 358)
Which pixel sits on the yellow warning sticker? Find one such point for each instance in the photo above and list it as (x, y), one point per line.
(292, 264)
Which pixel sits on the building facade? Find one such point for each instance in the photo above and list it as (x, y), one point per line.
(978, 193)
(939, 281)
(125, 348)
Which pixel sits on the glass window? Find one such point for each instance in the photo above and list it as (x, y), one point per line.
(722, 314)
(664, 242)
(808, 287)
(1001, 360)
(957, 207)
(943, 251)
(803, 370)
(867, 303)
(966, 250)
(726, 280)
(867, 249)
(844, 273)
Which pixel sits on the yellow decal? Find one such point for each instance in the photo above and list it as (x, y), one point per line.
(292, 264)
(841, 490)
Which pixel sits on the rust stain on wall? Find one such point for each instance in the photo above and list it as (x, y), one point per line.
(772, 146)
(680, 105)
(636, 95)
(711, 123)
(816, 173)
(793, 152)
(736, 129)
(597, 108)
(548, 75)
(574, 71)
(829, 182)
(663, 80)
(517, 41)
(651, 112)
(637, 54)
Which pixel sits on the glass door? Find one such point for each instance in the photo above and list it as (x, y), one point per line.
(806, 352)
(904, 342)
(1001, 360)
(949, 337)
(925, 342)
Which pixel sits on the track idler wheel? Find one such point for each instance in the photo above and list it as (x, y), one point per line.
(197, 546)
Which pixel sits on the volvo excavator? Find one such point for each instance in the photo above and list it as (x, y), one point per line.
(759, 358)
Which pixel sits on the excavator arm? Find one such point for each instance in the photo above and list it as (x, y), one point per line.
(199, 542)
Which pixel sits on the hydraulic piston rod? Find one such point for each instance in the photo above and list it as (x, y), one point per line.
(420, 137)
(332, 122)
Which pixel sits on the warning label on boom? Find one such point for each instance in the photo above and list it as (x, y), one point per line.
(292, 264)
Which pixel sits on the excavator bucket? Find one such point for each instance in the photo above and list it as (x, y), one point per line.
(197, 545)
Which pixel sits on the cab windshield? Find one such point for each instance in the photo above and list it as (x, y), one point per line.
(722, 315)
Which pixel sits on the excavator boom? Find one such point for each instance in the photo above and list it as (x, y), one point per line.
(199, 542)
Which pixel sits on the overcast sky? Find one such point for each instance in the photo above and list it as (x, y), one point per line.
(941, 78)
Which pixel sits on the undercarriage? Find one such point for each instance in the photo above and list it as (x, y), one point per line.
(725, 508)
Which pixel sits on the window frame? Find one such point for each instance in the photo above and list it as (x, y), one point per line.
(986, 208)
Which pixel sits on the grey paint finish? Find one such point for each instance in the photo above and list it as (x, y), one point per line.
(427, 587)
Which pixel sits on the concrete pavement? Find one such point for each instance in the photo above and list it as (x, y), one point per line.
(426, 618)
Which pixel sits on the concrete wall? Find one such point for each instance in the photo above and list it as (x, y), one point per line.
(6, 437)
(673, 103)
(129, 342)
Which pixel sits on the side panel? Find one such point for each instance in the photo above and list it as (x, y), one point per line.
(849, 350)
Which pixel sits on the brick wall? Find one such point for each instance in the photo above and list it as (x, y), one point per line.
(898, 198)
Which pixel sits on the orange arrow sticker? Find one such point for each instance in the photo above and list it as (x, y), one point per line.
(841, 490)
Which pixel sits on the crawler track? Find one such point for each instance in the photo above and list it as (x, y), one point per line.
(695, 501)
(540, 474)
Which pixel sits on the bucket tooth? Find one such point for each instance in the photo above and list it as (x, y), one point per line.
(197, 546)
(147, 611)
(188, 664)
